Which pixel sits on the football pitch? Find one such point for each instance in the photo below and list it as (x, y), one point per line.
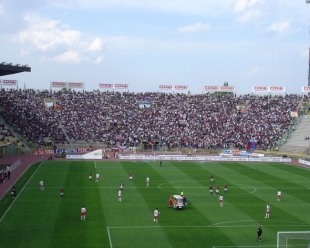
(38, 218)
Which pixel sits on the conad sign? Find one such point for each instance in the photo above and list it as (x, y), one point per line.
(106, 86)
(305, 89)
(59, 84)
(121, 86)
(180, 87)
(227, 88)
(8, 82)
(260, 89)
(165, 87)
(76, 85)
(277, 89)
(211, 88)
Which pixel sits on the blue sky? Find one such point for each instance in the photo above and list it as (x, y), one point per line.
(147, 43)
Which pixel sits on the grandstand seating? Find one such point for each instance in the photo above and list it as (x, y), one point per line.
(175, 120)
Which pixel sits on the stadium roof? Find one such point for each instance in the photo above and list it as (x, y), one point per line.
(9, 68)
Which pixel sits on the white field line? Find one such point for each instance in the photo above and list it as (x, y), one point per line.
(210, 226)
(95, 164)
(22, 181)
(247, 166)
(244, 246)
(20, 192)
(111, 246)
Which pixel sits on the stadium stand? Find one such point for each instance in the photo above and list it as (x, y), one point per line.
(94, 118)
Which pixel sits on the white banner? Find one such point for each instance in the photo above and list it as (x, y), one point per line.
(165, 87)
(121, 86)
(58, 84)
(180, 87)
(205, 158)
(260, 89)
(106, 86)
(85, 156)
(227, 89)
(211, 88)
(8, 82)
(73, 85)
(274, 89)
(304, 162)
(305, 89)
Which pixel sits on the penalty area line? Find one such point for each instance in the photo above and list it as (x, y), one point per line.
(110, 240)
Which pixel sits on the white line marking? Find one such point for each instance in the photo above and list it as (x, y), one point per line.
(241, 221)
(22, 181)
(247, 166)
(244, 246)
(210, 226)
(95, 165)
(111, 246)
(20, 192)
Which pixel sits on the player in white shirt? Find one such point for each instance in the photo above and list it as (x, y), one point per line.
(221, 199)
(121, 185)
(267, 211)
(147, 181)
(97, 178)
(279, 195)
(156, 213)
(120, 196)
(83, 213)
(41, 185)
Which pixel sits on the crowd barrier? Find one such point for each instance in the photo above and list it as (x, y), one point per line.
(12, 167)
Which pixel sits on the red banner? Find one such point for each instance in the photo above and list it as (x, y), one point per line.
(211, 88)
(165, 87)
(180, 87)
(8, 82)
(106, 86)
(121, 86)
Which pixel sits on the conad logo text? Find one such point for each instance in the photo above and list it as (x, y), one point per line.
(260, 88)
(63, 84)
(276, 88)
(121, 86)
(106, 85)
(227, 87)
(9, 82)
(306, 88)
(181, 87)
(211, 88)
(77, 85)
(165, 87)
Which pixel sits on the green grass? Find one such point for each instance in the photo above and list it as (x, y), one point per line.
(42, 219)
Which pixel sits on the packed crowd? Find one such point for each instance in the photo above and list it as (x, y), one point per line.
(126, 118)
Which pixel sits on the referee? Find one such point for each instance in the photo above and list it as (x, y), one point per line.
(259, 233)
